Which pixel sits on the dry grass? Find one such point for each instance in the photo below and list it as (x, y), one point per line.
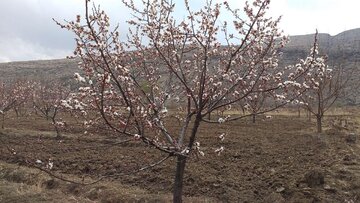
(28, 185)
(22, 184)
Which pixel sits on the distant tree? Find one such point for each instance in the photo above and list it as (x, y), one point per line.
(23, 90)
(256, 104)
(128, 85)
(47, 101)
(6, 102)
(12, 95)
(324, 87)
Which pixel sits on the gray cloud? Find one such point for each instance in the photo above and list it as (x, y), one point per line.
(28, 31)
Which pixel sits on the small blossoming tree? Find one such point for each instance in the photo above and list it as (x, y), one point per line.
(13, 94)
(324, 85)
(47, 98)
(6, 102)
(129, 86)
(256, 104)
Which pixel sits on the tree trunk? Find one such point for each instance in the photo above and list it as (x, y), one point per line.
(181, 162)
(254, 118)
(243, 110)
(299, 112)
(3, 121)
(16, 112)
(58, 134)
(319, 124)
(179, 176)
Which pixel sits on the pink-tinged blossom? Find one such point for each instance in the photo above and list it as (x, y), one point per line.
(60, 123)
(66, 104)
(137, 136)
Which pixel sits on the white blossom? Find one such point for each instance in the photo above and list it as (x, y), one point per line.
(221, 120)
(222, 136)
(185, 151)
(79, 78)
(60, 123)
(164, 110)
(137, 136)
(65, 104)
(219, 150)
(50, 164)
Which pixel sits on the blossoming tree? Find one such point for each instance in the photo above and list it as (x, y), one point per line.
(47, 98)
(13, 94)
(5, 102)
(129, 85)
(324, 85)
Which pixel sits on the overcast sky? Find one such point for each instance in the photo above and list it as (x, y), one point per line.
(27, 31)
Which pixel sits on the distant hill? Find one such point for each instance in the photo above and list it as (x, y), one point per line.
(342, 49)
(58, 69)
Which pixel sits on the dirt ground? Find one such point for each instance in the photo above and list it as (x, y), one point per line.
(276, 160)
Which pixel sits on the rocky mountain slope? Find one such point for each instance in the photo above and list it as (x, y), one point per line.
(342, 49)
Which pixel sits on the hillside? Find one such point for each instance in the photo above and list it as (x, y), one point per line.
(343, 49)
(59, 69)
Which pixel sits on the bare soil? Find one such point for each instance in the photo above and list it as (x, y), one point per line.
(277, 160)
